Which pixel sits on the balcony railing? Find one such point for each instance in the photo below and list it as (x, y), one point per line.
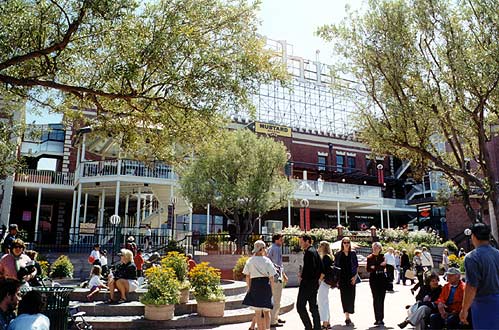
(128, 168)
(45, 177)
(336, 189)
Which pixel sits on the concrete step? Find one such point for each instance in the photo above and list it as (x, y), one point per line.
(183, 321)
(132, 308)
(230, 288)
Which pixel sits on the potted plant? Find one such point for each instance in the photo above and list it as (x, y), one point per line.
(178, 262)
(237, 271)
(62, 268)
(207, 289)
(162, 293)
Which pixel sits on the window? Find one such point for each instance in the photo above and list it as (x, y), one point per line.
(340, 163)
(350, 163)
(321, 160)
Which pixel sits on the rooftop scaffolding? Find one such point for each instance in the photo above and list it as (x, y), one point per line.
(310, 102)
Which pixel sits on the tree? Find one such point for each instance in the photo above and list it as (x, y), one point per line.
(241, 174)
(430, 69)
(10, 131)
(154, 72)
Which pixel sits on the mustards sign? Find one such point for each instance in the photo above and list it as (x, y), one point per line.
(272, 129)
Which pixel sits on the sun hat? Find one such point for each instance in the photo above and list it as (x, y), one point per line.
(453, 271)
(258, 246)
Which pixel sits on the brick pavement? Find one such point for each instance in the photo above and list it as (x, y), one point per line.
(363, 318)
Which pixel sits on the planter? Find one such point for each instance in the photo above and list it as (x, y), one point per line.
(184, 296)
(211, 308)
(159, 312)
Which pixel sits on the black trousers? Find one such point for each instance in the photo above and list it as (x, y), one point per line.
(347, 294)
(378, 290)
(307, 293)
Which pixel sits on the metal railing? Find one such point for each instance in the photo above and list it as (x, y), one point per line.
(126, 167)
(336, 189)
(45, 177)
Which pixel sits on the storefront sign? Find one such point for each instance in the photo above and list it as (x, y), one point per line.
(272, 129)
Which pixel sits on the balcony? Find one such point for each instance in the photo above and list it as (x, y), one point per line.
(125, 167)
(333, 189)
(45, 177)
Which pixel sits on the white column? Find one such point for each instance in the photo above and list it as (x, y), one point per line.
(144, 207)
(78, 203)
(346, 216)
(117, 198)
(190, 218)
(102, 208)
(208, 219)
(127, 201)
(388, 217)
(83, 147)
(137, 220)
(85, 203)
(289, 213)
(150, 204)
(381, 213)
(338, 212)
(73, 216)
(37, 219)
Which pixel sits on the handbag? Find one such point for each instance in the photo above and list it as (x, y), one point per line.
(334, 278)
(410, 274)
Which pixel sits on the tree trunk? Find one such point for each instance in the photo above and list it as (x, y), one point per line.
(494, 213)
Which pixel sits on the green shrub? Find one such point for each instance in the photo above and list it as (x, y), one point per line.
(62, 267)
(237, 271)
(178, 262)
(450, 245)
(174, 246)
(162, 287)
(206, 283)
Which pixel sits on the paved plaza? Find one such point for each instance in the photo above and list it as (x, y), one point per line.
(363, 318)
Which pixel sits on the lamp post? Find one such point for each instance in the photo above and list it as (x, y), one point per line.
(115, 221)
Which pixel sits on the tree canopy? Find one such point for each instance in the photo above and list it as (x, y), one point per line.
(430, 69)
(241, 174)
(10, 131)
(160, 71)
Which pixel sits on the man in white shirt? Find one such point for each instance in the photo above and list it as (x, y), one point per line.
(426, 259)
(390, 268)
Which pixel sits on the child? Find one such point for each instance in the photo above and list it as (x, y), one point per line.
(103, 262)
(138, 260)
(95, 283)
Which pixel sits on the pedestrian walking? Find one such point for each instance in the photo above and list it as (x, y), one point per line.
(274, 253)
(377, 281)
(445, 261)
(259, 272)
(326, 276)
(405, 263)
(390, 268)
(346, 260)
(147, 238)
(397, 265)
(482, 281)
(309, 276)
(426, 260)
(418, 266)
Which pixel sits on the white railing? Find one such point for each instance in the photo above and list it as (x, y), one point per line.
(45, 177)
(336, 189)
(126, 167)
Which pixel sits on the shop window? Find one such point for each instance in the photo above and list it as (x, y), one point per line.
(321, 160)
(340, 163)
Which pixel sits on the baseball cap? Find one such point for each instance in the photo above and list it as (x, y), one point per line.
(258, 246)
(453, 271)
(480, 230)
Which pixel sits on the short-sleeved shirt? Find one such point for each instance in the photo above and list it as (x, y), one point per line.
(274, 253)
(30, 322)
(482, 270)
(95, 281)
(259, 266)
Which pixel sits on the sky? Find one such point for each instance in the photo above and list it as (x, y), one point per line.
(292, 20)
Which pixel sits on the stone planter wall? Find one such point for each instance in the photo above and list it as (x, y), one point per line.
(159, 312)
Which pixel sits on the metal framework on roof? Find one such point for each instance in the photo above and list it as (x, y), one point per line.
(309, 103)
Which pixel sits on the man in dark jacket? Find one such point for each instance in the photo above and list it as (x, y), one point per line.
(9, 238)
(309, 284)
(405, 264)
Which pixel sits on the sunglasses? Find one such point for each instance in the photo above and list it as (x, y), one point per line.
(17, 247)
(346, 242)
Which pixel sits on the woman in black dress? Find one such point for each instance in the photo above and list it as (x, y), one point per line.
(346, 259)
(377, 281)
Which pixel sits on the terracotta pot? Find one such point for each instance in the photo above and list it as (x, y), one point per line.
(184, 296)
(159, 312)
(211, 308)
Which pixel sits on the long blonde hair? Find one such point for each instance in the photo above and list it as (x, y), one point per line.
(326, 248)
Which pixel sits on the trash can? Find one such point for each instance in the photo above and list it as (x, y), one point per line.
(56, 305)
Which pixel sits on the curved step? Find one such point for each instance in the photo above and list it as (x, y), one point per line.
(137, 308)
(187, 320)
(230, 288)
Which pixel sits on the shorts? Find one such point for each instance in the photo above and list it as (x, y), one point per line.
(133, 285)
